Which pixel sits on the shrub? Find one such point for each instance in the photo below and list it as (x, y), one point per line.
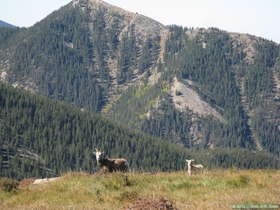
(241, 181)
(128, 195)
(8, 185)
(117, 181)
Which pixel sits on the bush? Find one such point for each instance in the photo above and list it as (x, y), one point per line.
(128, 196)
(8, 185)
(241, 181)
(117, 182)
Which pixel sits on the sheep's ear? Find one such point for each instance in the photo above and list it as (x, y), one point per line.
(192, 159)
(96, 151)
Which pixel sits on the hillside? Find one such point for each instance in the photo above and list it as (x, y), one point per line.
(213, 190)
(40, 137)
(198, 88)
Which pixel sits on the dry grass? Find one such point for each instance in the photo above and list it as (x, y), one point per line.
(212, 190)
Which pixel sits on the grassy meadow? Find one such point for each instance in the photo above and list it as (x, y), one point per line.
(217, 189)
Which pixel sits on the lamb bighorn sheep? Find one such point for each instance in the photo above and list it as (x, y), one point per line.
(193, 166)
(109, 164)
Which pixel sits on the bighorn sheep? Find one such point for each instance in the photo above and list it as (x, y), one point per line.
(109, 164)
(192, 166)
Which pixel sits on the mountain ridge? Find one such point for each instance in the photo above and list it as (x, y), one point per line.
(5, 24)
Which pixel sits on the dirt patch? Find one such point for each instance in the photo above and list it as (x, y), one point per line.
(26, 182)
(151, 204)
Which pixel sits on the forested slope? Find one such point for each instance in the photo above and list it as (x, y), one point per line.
(212, 92)
(42, 137)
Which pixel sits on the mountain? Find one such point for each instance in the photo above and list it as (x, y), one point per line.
(198, 88)
(40, 137)
(7, 25)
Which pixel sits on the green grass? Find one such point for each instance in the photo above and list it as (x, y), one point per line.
(217, 189)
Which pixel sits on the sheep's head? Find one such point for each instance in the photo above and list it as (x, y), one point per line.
(98, 154)
(189, 161)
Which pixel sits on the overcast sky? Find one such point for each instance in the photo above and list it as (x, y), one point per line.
(257, 17)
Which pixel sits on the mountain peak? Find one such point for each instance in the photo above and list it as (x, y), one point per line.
(144, 26)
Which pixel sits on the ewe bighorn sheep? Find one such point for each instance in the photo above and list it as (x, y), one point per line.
(109, 164)
(193, 166)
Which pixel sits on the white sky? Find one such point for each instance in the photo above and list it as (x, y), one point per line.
(257, 17)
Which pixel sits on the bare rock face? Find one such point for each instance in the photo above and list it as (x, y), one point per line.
(4, 67)
(3, 76)
(186, 98)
